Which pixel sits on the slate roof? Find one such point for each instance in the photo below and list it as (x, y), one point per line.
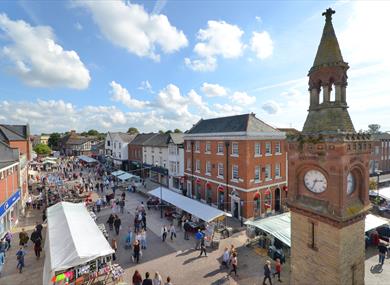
(126, 137)
(140, 139)
(157, 140)
(8, 155)
(177, 138)
(381, 136)
(232, 124)
(14, 132)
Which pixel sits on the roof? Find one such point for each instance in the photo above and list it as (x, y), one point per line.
(328, 52)
(177, 138)
(14, 132)
(158, 140)
(140, 139)
(381, 136)
(8, 155)
(72, 238)
(289, 131)
(74, 139)
(194, 207)
(238, 123)
(125, 137)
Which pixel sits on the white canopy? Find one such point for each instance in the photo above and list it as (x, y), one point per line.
(280, 225)
(125, 176)
(383, 192)
(72, 239)
(118, 173)
(87, 159)
(194, 207)
(49, 162)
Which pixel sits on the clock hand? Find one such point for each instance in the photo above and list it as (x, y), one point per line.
(315, 181)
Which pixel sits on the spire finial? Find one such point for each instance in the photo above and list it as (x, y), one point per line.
(328, 14)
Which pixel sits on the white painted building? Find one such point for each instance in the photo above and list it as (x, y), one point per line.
(116, 146)
(108, 144)
(176, 162)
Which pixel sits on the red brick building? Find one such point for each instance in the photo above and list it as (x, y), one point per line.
(237, 164)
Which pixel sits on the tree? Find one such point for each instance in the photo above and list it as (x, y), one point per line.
(53, 140)
(93, 133)
(177, 131)
(168, 132)
(374, 128)
(132, 131)
(161, 132)
(42, 149)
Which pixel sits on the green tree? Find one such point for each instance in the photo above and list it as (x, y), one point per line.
(42, 149)
(132, 131)
(374, 128)
(161, 132)
(53, 140)
(168, 132)
(177, 131)
(92, 133)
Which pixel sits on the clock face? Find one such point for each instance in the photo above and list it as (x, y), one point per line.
(350, 183)
(315, 181)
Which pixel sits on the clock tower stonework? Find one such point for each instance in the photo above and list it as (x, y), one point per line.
(328, 178)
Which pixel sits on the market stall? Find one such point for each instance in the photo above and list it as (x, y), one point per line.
(76, 250)
(87, 159)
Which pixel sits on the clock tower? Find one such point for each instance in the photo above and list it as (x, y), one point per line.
(328, 178)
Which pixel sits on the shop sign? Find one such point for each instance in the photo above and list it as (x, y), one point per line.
(9, 203)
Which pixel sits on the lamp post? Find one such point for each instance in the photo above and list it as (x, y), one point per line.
(161, 210)
(378, 173)
(242, 208)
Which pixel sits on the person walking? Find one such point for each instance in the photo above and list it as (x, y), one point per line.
(202, 247)
(23, 238)
(168, 281)
(186, 228)
(39, 228)
(38, 247)
(143, 239)
(172, 230)
(129, 238)
(8, 238)
(278, 269)
(157, 280)
(382, 253)
(117, 224)
(20, 258)
(2, 261)
(110, 221)
(147, 280)
(136, 251)
(114, 246)
(164, 232)
(198, 238)
(234, 263)
(267, 272)
(137, 278)
(122, 205)
(226, 258)
(144, 220)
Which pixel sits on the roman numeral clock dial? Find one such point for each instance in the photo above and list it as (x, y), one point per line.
(315, 181)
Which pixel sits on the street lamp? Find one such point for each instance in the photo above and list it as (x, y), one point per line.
(378, 173)
(242, 208)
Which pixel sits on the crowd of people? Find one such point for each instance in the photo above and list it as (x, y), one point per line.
(157, 280)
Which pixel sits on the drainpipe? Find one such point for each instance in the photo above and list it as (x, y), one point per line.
(192, 168)
(226, 207)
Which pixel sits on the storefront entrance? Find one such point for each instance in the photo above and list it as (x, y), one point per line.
(277, 200)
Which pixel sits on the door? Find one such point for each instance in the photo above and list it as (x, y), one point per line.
(189, 190)
(277, 200)
(221, 200)
(235, 213)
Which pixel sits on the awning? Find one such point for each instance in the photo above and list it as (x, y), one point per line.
(373, 222)
(196, 208)
(87, 159)
(49, 162)
(125, 176)
(72, 239)
(118, 173)
(280, 225)
(383, 192)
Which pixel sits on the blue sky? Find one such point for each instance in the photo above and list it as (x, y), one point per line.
(166, 64)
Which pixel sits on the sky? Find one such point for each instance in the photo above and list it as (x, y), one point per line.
(159, 65)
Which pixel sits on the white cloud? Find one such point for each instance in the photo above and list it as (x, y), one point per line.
(213, 90)
(78, 26)
(145, 85)
(262, 44)
(242, 98)
(121, 94)
(218, 39)
(129, 26)
(38, 60)
(258, 19)
(159, 6)
(226, 109)
(292, 92)
(271, 107)
(171, 100)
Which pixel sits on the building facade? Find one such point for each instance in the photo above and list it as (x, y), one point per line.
(136, 155)
(380, 154)
(238, 164)
(176, 162)
(119, 149)
(328, 178)
(75, 144)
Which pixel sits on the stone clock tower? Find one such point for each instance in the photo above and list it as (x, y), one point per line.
(328, 178)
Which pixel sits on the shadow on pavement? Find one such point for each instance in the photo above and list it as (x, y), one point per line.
(190, 260)
(376, 269)
(187, 252)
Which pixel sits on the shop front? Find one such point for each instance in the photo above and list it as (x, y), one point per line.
(9, 212)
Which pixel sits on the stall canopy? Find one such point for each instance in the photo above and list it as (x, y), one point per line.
(384, 193)
(196, 208)
(49, 162)
(87, 159)
(280, 225)
(118, 173)
(72, 239)
(125, 176)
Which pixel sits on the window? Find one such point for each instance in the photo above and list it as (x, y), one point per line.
(268, 172)
(188, 164)
(312, 229)
(220, 169)
(153, 159)
(277, 147)
(160, 160)
(197, 147)
(277, 170)
(120, 145)
(376, 150)
(235, 172)
(235, 148)
(208, 148)
(220, 148)
(108, 143)
(208, 167)
(114, 144)
(188, 145)
(257, 173)
(257, 149)
(119, 154)
(197, 166)
(268, 149)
